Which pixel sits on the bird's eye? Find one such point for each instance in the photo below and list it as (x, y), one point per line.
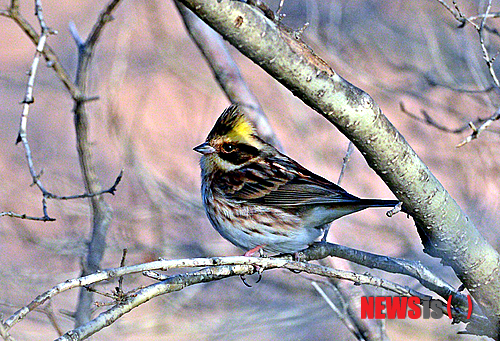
(227, 148)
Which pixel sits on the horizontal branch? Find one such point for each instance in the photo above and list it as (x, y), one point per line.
(315, 252)
(25, 216)
(110, 190)
(213, 273)
(414, 269)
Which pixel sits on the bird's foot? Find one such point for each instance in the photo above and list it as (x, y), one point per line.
(251, 252)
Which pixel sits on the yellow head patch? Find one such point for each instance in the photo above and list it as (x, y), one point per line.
(233, 125)
(242, 130)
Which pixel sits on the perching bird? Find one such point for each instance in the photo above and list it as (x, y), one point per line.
(258, 198)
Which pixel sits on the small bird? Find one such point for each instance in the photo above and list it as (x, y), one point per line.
(258, 198)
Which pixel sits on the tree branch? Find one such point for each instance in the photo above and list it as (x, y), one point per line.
(481, 28)
(317, 251)
(41, 49)
(101, 211)
(49, 54)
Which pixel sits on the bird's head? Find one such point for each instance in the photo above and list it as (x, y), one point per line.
(232, 142)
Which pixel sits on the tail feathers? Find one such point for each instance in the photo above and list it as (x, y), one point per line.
(378, 202)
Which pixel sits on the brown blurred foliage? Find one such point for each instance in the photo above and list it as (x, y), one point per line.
(158, 99)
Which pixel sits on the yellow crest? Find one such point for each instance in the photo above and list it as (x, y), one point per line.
(233, 124)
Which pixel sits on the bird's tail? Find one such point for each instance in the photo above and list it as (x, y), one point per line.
(378, 202)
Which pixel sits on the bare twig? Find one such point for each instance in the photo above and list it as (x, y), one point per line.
(342, 315)
(480, 28)
(485, 15)
(49, 54)
(454, 11)
(413, 269)
(486, 55)
(111, 190)
(479, 124)
(178, 282)
(477, 130)
(28, 99)
(49, 195)
(237, 266)
(25, 216)
(350, 315)
(119, 288)
(41, 49)
(345, 161)
(464, 20)
(427, 119)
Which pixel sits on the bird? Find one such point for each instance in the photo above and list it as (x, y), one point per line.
(258, 198)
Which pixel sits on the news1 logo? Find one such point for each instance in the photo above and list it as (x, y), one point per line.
(395, 307)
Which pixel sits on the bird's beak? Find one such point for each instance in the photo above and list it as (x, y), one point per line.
(204, 149)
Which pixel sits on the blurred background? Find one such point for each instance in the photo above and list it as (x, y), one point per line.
(158, 99)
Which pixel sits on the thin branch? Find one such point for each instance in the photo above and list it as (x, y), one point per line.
(413, 269)
(28, 100)
(317, 251)
(25, 216)
(345, 161)
(41, 49)
(480, 28)
(482, 127)
(104, 18)
(101, 211)
(453, 11)
(179, 282)
(479, 125)
(349, 302)
(111, 190)
(463, 20)
(342, 315)
(119, 288)
(49, 54)
(241, 266)
(427, 119)
(28, 97)
(485, 15)
(86, 49)
(486, 55)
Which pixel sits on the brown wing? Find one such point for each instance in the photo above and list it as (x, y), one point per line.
(284, 183)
